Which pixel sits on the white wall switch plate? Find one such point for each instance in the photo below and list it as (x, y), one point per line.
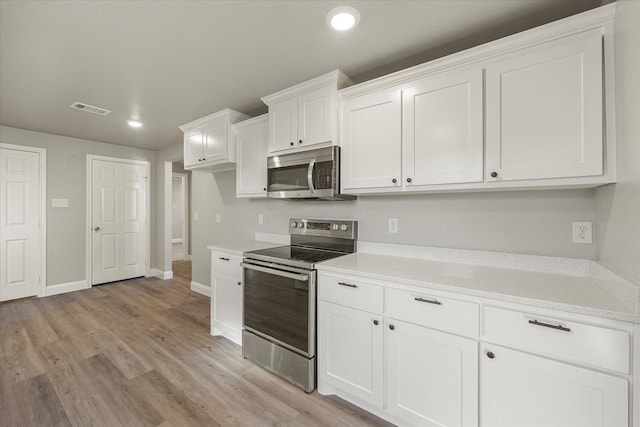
(59, 203)
(582, 232)
(218, 218)
(195, 216)
(393, 225)
(260, 219)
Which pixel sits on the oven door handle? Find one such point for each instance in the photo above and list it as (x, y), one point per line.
(301, 277)
(312, 163)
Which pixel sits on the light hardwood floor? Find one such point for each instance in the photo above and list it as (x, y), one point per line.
(139, 353)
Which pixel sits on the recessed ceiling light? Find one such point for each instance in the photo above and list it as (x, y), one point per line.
(134, 123)
(343, 18)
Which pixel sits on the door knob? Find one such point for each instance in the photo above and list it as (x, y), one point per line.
(96, 228)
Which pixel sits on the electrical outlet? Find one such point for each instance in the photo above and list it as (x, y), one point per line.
(218, 218)
(393, 225)
(582, 232)
(260, 219)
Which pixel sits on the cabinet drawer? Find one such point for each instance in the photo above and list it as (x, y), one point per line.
(555, 337)
(227, 264)
(354, 293)
(435, 312)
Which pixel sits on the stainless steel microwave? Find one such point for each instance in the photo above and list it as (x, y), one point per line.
(306, 175)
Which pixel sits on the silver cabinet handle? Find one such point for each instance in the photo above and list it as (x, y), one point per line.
(96, 228)
(349, 285)
(429, 301)
(549, 325)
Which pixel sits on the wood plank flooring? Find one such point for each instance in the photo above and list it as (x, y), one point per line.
(139, 353)
(181, 268)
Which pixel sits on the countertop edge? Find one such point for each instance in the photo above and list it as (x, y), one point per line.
(577, 309)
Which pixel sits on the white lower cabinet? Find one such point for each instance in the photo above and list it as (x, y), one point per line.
(407, 373)
(432, 376)
(350, 351)
(226, 296)
(519, 389)
(418, 357)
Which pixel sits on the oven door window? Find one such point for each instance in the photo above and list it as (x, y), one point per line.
(290, 178)
(278, 307)
(295, 178)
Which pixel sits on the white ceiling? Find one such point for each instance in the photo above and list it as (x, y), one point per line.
(170, 62)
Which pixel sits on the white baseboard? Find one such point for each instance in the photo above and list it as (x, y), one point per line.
(164, 275)
(179, 240)
(63, 288)
(201, 289)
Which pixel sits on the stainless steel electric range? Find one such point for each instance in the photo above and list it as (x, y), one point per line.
(279, 325)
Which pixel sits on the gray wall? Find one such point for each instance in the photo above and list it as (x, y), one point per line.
(527, 222)
(618, 206)
(164, 159)
(66, 179)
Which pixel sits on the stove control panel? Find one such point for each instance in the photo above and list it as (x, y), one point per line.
(324, 227)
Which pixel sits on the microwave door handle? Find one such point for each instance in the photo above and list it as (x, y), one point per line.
(312, 163)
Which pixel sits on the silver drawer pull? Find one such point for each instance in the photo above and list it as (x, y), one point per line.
(430, 301)
(350, 285)
(549, 325)
(224, 259)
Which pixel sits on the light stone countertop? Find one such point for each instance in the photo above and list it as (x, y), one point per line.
(577, 294)
(237, 247)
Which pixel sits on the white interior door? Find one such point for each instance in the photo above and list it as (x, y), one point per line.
(20, 228)
(118, 221)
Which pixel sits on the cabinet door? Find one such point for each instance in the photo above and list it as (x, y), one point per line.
(432, 376)
(226, 307)
(283, 124)
(350, 351)
(443, 129)
(215, 139)
(518, 389)
(251, 169)
(544, 111)
(316, 117)
(371, 141)
(193, 140)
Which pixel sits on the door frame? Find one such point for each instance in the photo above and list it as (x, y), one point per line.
(147, 197)
(184, 183)
(42, 214)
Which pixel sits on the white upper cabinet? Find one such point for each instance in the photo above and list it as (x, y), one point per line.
(304, 116)
(283, 125)
(544, 111)
(430, 132)
(443, 129)
(210, 142)
(316, 116)
(251, 170)
(371, 141)
(532, 110)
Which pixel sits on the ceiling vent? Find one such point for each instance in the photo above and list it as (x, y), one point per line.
(90, 108)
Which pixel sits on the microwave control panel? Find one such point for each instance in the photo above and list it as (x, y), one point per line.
(323, 175)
